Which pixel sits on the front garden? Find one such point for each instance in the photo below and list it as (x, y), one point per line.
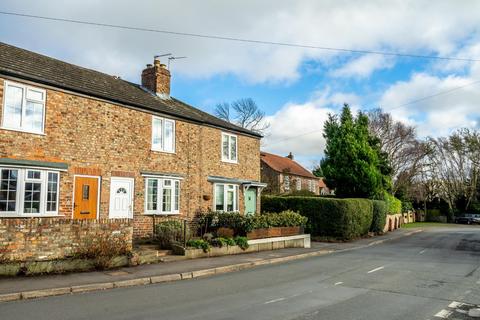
(229, 231)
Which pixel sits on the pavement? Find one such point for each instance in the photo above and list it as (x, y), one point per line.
(18, 288)
(434, 274)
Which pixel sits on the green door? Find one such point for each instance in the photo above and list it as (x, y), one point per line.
(250, 201)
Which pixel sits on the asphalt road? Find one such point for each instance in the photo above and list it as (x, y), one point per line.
(431, 275)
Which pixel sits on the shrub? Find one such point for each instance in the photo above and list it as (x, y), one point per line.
(379, 216)
(222, 242)
(199, 244)
(102, 248)
(168, 232)
(243, 224)
(286, 218)
(394, 205)
(242, 242)
(407, 206)
(339, 218)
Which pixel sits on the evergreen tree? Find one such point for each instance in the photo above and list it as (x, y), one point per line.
(354, 164)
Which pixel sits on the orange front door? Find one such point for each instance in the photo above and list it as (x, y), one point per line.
(86, 198)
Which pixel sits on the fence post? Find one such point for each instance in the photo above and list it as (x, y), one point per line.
(184, 233)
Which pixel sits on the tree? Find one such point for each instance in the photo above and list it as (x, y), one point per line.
(317, 171)
(354, 164)
(246, 114)
(401, 146)
(456, 161)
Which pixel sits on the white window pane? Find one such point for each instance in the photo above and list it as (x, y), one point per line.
(8, 190)
(169, 136)
(33, 174)
(167, 200)
(32, 197)
(152, 194)
(157, 134)
(52, 191)
(13, 107)
(233, 148)
(34, 95)
(177, 195)
(230, 201)
(219, 197)
(33, 120)
(225, 153)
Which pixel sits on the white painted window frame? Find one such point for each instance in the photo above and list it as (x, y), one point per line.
(286, 182)
(229, 137)
(20, 193)
(160, 187)
(25, 89)
(225, 189)
(298, 184)
(162, 138)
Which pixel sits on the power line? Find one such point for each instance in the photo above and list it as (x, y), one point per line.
(396, 107)
(244, 40)
(435, 95)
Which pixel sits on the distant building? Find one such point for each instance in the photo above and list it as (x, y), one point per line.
(285, 175)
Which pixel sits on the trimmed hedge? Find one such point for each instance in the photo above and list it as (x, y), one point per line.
(339, 218)
(394, 204)
(380, 209)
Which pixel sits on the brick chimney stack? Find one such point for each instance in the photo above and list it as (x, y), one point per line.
(156, 79)
(290, 156)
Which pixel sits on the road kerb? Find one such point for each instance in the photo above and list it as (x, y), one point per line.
(10, 297)
(203, 273)
(92, 287)
(178, 276)
(166, 278)
(46, 293)
(131, 282)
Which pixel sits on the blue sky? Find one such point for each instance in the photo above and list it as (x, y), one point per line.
(296, 87)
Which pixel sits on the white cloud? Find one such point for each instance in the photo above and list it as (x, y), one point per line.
(376, 25)
(455, 106)
(363, 67)
(298, 128)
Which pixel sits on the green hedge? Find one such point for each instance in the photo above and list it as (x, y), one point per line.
(394, 204)
(339, 218)
(380, 209)
(242, 224)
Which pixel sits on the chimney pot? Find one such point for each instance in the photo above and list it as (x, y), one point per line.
(290, 156)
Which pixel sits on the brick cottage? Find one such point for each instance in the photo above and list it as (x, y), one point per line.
(80, 144)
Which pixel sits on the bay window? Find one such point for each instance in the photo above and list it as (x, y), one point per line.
(23, 108)
(162, 196)
(226, 197)
(163, 135)
(229, 148)
(28, 192)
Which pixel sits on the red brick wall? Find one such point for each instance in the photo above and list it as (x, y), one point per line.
(97, 138)
(54, 238)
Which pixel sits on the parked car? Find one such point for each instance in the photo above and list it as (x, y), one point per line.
(468, 218)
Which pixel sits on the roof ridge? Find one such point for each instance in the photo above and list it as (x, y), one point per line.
(43, 69)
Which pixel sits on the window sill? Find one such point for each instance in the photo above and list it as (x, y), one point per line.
(229, 161)
(161, 151)
(24, 131)
(162, 214)
(16, 215)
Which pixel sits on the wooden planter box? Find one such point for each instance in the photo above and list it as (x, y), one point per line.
(225, 232)
(274, 232)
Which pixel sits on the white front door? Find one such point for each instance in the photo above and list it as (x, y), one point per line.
(121, 198)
